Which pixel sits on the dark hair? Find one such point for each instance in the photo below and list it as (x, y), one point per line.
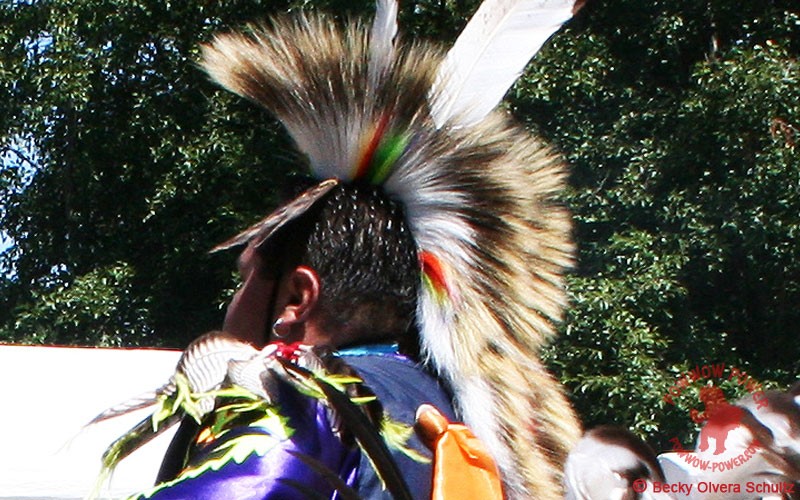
(358, 241)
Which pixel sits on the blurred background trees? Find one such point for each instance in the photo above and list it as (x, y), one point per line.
(122, 165)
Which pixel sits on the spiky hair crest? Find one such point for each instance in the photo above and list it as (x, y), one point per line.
(481, 202)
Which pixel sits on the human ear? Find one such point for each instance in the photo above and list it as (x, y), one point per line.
(300, 295)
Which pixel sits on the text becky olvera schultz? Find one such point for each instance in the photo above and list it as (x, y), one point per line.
(714, 487)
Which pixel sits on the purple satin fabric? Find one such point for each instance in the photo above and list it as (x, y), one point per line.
(400, 385)
(278, 474)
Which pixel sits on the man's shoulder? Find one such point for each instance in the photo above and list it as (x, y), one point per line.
(400, 383)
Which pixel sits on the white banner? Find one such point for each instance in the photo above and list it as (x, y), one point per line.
(47, 394)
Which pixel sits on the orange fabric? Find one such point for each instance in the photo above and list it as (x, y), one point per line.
(462, 466)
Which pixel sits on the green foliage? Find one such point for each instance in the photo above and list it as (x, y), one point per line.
(681, 121)
(90, 310)
(129, 157)
(122, 165)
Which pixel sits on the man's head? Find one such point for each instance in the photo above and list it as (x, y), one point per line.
(347, 271)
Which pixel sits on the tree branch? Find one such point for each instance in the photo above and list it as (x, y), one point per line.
(22, 156)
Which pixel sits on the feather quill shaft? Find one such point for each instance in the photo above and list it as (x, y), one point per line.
(360, 425)
(491, 54)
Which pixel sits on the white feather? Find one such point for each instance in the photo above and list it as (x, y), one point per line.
(475, 399)
(381, 38)
(602, 465)
(491, 54)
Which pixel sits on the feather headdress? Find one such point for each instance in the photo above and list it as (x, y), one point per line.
(480, 195)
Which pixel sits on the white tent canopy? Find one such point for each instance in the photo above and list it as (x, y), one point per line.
(48, 394)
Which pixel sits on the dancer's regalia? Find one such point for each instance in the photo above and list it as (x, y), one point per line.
(479, 193)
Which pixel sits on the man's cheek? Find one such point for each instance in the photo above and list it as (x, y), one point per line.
(248, 312)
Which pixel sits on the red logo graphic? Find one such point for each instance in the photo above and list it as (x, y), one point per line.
(718, 417)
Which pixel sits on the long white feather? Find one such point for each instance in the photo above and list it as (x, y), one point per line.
(491, 54)
(381, 38)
